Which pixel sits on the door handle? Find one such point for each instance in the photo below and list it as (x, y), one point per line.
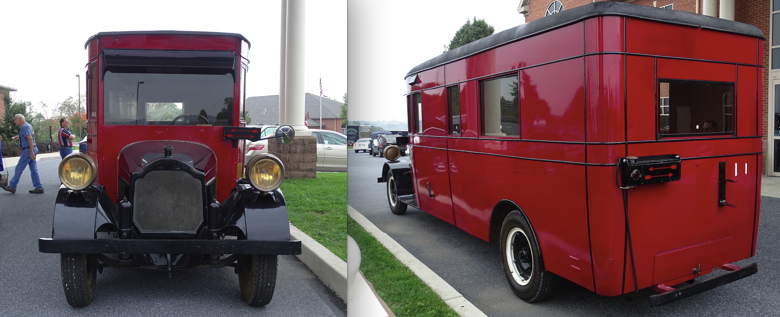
(329, 148)
(722, 180)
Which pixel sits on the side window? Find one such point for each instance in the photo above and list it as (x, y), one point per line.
(92, 87)
(319, 137)
(453, 99)
(500, 107)
(332, 138)
(417, 99)
(695, 107)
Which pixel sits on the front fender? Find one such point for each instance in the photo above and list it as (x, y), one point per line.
(77, 214)
(402, 172)
(265, 216)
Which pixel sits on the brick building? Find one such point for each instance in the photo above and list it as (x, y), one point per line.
(4, 92)
(756, 12)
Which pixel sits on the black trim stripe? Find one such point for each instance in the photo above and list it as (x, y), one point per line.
(589, 143)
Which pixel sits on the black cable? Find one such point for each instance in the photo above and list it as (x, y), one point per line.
(628, 245)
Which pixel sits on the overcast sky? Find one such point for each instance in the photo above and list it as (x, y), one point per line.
(388, 38)
(43, 41)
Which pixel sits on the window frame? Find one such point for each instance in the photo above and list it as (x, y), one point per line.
(417, 111)
(657, 110)
(547, 10)
(516, 75)
(667, 6)
(450, 129)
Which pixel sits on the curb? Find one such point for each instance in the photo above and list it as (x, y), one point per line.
(328, 267)
(446, 292)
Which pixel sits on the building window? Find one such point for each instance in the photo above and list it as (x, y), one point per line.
(554, 7)
(695, 108)
(668, 6)
(500, 108)
(453, 99)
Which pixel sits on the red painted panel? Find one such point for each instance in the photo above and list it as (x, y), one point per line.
(470, 109)
(647, 37)
(680, 69)
(693, 148)
(434, 108)
(607, 233)
(604, 34)
(455, 72)
(605, 114)
(171, 42)
(551, 105)
(640, 96)
(430, 78)
(532, 150)
(605, 153)
(747, 98)
(556, 44)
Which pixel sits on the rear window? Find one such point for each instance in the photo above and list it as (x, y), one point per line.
(688, 108)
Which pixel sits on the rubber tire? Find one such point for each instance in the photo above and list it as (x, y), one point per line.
(541, 285)
(400, 207)
(257, 278)
(79, 277)
(357, 151)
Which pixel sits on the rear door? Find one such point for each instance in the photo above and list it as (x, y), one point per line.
(706, 114)
(334, 149)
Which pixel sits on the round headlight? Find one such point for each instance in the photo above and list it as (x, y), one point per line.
(77, 171)
(265, 172)
(392, 152)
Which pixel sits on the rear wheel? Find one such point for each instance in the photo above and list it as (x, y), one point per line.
(522, 260)
(257, 278)
(396, 206)
(79, 275)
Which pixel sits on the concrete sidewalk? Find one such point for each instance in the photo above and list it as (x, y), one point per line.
(9, 162)
(770, 186)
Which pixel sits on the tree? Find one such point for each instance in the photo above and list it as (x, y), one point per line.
(343, 114)
(471, 31)
(8, 129)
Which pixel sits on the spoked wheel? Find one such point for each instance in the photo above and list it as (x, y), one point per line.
(257, 278)
(522, 260)
(79, 275)
(396, 206)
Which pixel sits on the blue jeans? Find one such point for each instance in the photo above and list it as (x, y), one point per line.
(65, 151)
(25, 160)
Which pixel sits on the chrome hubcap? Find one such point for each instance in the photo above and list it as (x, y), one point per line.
(519, 256)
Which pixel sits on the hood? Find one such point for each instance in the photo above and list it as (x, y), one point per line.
(136, 156)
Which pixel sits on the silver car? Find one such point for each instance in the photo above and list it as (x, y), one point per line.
(331, 148)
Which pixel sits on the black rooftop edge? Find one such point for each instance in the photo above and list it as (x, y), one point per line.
(167, 32)
(584, 12)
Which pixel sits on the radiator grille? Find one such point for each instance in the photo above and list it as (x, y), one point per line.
(168, 202)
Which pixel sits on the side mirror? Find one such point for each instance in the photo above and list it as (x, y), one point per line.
(285, 133)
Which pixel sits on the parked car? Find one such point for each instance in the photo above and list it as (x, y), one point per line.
(167, 196)
(361, 145)
(382, 141)
(331, 150)
(261, 146)
(564, 164)
(373, 147)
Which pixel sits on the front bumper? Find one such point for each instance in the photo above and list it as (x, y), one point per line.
(181, 246)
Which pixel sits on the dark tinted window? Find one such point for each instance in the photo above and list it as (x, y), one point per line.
(695, 107)
(776, 28)
(417, 99)
(776, 58)
(500, 109)
(168, 99)
(453, 99)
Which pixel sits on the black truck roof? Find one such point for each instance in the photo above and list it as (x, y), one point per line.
(577, 14)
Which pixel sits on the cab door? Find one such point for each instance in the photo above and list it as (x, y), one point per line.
(429, 157)
(706, 114)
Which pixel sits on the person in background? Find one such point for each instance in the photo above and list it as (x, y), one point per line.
(65, 138)
(26, 138)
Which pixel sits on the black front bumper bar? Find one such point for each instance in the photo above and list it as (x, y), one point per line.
(701, 286)
(143, 246)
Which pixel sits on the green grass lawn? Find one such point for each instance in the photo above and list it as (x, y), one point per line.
(403, 291)
(318, 206)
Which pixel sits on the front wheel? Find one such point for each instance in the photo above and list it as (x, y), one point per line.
(257, 278)
(79, 275)
(522, 260)
(396, 206)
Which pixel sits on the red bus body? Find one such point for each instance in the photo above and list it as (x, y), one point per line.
(588, 96)
(105, 146)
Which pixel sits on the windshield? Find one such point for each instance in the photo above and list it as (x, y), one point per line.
(168, 99)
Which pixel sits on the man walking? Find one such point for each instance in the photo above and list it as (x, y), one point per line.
(65, 137)
(29, 149)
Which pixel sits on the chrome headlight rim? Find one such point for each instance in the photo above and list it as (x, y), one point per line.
(392, 153)
(90, 163)
(257, 158)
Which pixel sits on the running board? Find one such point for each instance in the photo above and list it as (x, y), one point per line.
(669, 294)
(408, 199)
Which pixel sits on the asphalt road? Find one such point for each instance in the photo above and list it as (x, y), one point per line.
(30, 283)
(473, 266)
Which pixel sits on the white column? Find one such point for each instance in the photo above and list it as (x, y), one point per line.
(283, 65)
(726, 9)
(709, 7)
(294, 98)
